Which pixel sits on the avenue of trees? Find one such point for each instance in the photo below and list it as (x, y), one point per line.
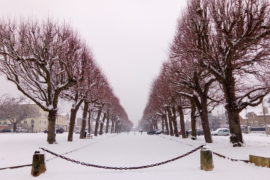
(47, 61)
(219, 55)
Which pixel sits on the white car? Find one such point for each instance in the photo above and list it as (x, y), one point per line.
(221, 132)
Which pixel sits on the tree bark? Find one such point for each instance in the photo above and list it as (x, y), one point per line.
(113, 126)
(51, 126)
(89, 121)
(116, 127)
(205, 122)
(169, 115)
(164, 116)
(174, 122)
(236, 137)
(193, 120)
(14, 126)
(182, 121)
(84, 116)
(72, 121)
(102, 124)
(97, 122)
(162, 124)
(107, 123)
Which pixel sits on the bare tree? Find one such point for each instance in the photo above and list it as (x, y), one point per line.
(231, 40)
(81, 91)
(41, 59)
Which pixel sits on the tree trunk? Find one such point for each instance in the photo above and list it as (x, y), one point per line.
(14, 126)
(73, 113)
(162, 124)
(182, 121)
(117, 126)
(84, 116)
(107, 123)
(169, 115)
(175, 122)
(102, 124)
(236, 137)
(113, 126)
(51, 126)
(205, 122)
(97, 122)
(164, 116)
(89, 121)
(193, 120)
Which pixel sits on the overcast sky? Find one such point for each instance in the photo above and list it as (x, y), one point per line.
(129, 38)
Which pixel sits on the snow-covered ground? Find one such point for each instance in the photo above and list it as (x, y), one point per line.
(131, 150)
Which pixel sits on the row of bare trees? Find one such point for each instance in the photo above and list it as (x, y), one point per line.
(46, 62)
(219, 55)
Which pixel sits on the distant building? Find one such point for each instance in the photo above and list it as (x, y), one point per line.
(37, 124)
(254, 120)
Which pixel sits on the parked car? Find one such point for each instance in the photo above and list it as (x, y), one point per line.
(159, 131)
(5, 130)
(221, 132)
(199, 132)
(60, 130)
(151, 132)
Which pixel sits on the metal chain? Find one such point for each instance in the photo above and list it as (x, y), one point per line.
(232, 159)
(74, 150)
(215, 153)
(122, 168)
(15, 167)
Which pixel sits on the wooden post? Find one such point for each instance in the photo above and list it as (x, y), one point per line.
(206, 160)
(260, 161)
(38, 164)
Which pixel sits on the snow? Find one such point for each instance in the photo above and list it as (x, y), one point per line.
(131, 150)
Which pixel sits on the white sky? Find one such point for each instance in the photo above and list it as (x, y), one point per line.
(129, 38)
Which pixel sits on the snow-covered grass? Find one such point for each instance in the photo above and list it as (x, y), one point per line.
(131, 150)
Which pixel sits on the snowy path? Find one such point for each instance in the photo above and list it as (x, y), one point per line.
(129, 150)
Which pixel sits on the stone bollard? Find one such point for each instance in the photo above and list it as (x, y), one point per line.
(38, 164)
(206, 160)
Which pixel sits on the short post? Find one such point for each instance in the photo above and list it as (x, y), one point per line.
(206, 160)
(260, 161)
(38, 164)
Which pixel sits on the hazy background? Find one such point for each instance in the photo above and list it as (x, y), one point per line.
(129, 39)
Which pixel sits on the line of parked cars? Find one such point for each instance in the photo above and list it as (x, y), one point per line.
(217, 132)
(5, 130)
(58, 131)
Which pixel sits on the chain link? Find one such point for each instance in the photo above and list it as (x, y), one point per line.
(232, 159)
(215, 153)
(122, 168)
